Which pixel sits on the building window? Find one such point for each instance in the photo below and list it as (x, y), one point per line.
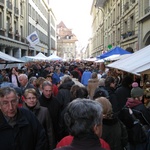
(21, 7)
(118, 35)
(147, 6)
(29, 10)
(125, 26)
(15, 26)
(1, 20)
(118, 11)
(21, 31)
(132, 23)
(8, 24)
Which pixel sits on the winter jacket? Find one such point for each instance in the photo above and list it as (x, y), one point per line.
(122, 93)
(54, 109)
(90, 142)
(26, 134)
(64, 95)
(44, 118)
(113, 99)
(68, 139)
(141, 113)
(85, 77)
(114, 134)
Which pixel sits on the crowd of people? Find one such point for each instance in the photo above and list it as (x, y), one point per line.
(68, 106)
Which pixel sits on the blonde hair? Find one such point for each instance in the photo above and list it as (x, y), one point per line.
(32, 91)
(106, 105)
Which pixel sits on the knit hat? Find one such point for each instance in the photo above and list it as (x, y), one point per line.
(136, 90)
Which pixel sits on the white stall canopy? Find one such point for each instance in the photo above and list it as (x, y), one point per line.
(138, 62)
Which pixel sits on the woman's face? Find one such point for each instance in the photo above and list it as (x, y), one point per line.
(13, 71)
(34, 83)
(31, 100)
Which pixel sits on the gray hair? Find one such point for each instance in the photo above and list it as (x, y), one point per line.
(6, 91)
(46, 83)
(23, 75)
(82, 115)
(32, 79)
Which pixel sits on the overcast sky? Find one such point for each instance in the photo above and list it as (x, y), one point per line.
(76, 15)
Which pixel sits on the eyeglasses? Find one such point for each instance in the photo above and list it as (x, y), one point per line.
(29, 98)
(6, 103)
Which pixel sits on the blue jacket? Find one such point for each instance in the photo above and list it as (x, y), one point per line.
(27, 134)
(85, 77)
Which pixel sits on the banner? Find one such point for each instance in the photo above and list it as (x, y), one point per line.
(33, 38)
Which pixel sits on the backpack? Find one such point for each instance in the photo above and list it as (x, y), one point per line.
(137, 132)
(101, 92)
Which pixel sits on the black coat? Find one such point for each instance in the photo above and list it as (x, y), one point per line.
(54, 109)
(138, 107)
(122, 93)
(28, 86)
(113, 99)
(114, 133)
(64, 95)
(27, 134)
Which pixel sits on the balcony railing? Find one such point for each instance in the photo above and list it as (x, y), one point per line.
(17, 37)
(128, 34)
(2, 31)
(147, 10)
(9, 5)
(16, 10)
(10, 34)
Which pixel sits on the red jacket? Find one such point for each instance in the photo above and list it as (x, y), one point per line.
(68, 139)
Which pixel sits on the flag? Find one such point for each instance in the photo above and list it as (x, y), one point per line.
(33, 38)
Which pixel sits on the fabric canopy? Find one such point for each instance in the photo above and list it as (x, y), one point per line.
(7, 59)
(39, 56)
(91, 59)
(136, 63)
(120, 57)
(54, 57)
(115, 51)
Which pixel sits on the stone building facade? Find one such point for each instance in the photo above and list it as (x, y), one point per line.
(144, 23)
(123, 23)
(13, 31)
(66, 42)
(18, 19)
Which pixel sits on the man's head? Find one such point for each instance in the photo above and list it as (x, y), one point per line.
(84, 116)
(110, 82)
(47, 89)
(75, 74)
(23, 79)
(8, 101)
